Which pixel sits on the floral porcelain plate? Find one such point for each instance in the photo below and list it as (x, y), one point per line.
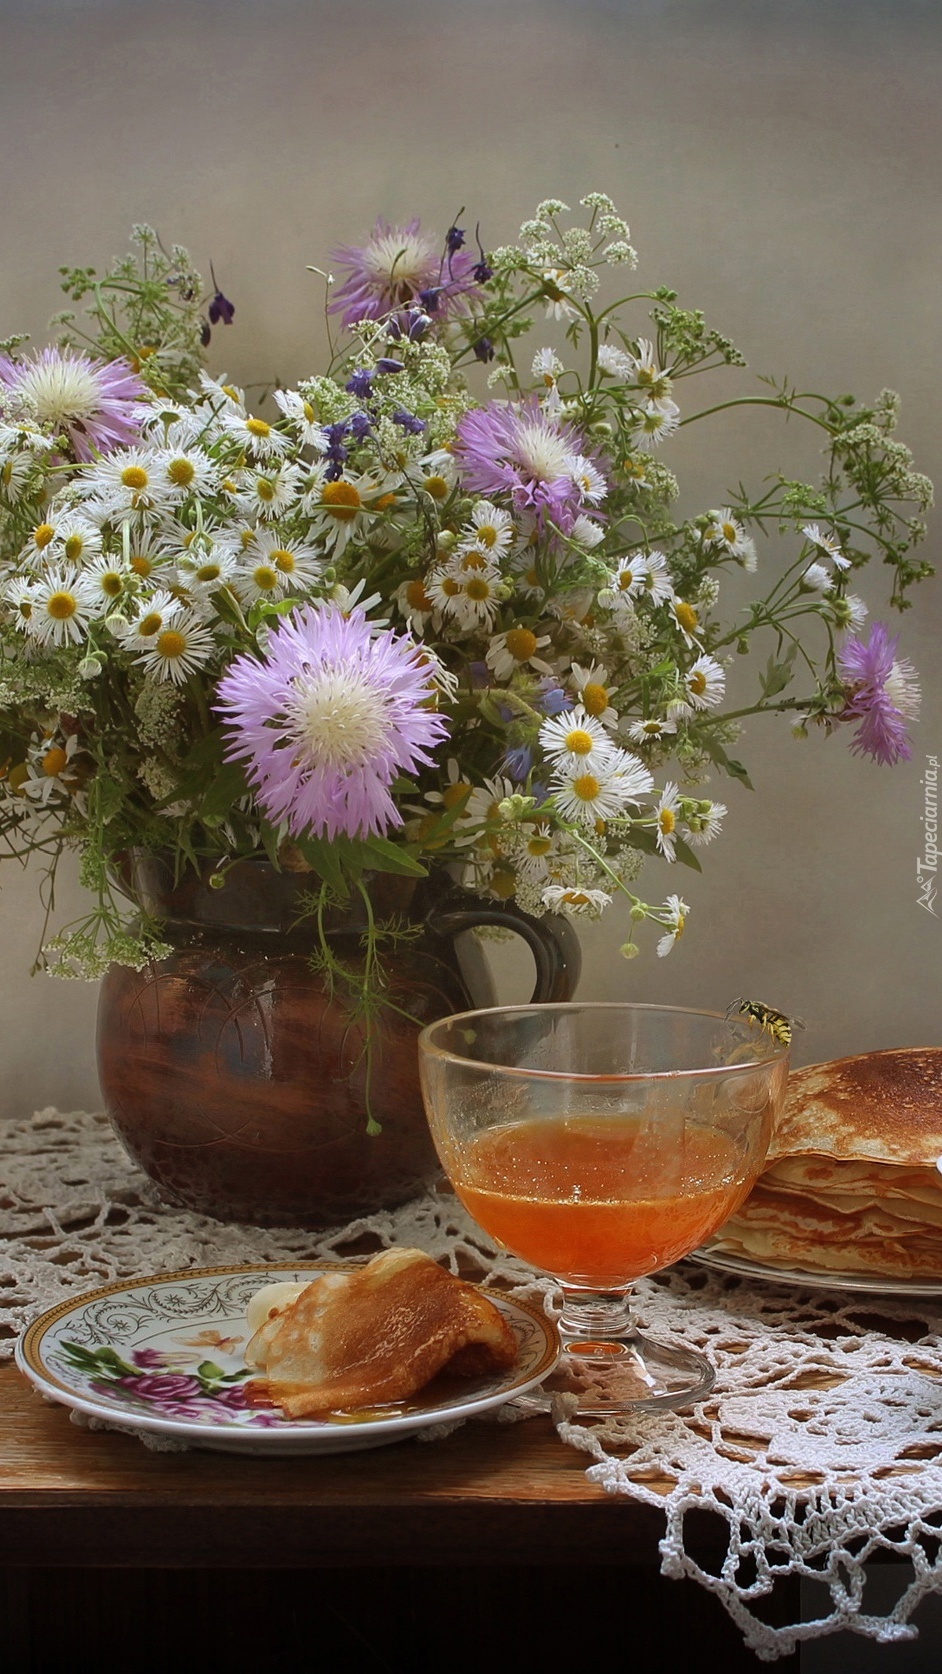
(165, 1355)
(871, 1284)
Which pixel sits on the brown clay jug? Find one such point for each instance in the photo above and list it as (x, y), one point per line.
(238, 1081)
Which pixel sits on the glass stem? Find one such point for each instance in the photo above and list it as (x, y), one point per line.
(594, 1315)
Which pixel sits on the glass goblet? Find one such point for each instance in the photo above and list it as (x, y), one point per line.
(601, 1143)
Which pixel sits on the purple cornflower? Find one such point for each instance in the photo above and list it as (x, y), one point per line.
(553, 700)
(327, 720)
(360, 384)
(408, 422)
(518, 762)
(95, 402)
(522, 451)
(881, 693)
(393, 268)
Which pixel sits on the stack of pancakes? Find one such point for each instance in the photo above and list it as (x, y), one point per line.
(851, 1183)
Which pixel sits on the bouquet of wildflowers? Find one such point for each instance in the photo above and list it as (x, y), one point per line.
(433, 606)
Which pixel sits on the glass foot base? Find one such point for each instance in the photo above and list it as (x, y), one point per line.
(633, 1373)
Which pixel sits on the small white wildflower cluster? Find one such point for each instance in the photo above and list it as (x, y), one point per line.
(155, 526)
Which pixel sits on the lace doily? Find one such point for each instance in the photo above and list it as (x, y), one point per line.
(820, 1446)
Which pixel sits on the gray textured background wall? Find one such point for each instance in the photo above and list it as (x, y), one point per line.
(778, 162)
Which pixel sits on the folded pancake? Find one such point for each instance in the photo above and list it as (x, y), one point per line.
(368, 1336)
(851, 1183)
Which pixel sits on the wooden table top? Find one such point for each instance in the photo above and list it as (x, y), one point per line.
(510, 1493)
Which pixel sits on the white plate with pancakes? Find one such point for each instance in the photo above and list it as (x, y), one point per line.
(851, 1195)
(166, 1355)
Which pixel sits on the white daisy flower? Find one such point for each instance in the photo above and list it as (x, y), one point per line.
(18, 594)
(705, 683)
(575, 901)
(687, 620)
(206, 567)
(109, 578)
(726, 532)
(585, 532)
(299, 565)
(704, 822)
(256, 577)
(588, 478)
(537, 846)
(547, 366)
(650, 728)
(517, 648)
(51, 769)
(269, 492)
(653, 424)
(178, 650)
(339, 509)
(127, 480)
(146, 551)
(302, 418)
(62, 601)
(222, 396)
(666, 818)
(826, 543)
(816, 579)
(437, 473)
(255, 435)
(471, 598)
(644, 577)
(185, 471)
(483, 809)
(153, 614)
(674, 919)
(576, 739)
(615, 363)
(490, 528)
(19, 476)
(558, 306)
(645, 372)
(77, 540)
(592, 685)
(603, 795)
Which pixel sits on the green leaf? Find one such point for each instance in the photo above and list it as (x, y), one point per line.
(227, 786)
(686, 855)
(326, 861)
(209, 1371)
(384, 856)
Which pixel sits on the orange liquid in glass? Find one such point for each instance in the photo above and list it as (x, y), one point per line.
(598, 1201)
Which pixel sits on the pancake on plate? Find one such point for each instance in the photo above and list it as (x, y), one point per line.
(851, 1183)
(371, 1335)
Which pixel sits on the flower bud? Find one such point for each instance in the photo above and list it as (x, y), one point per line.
(629, 950)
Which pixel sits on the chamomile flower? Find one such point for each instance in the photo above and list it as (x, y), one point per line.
(413, 603)
(257, 577)
(703, 822)
(816, 579)
(53, 772)
(110, 579)
(181, 646)
(183, 471)
(146, 551)
(269, 492)
(536, 848)
(205, 568)
(558, 306)
(482, 810)
(575, 901)
(687, 620)
(673, 915)
(339, 509)
(648, 729)
(222, 396)
(603, 795)
(654, 384)
(489, 527)
(666, 819)
(437, 474)
(615, 363)
(547, 366)
(588, 479)
(471, 597)
(302, 418)
(257, 438)
(152, 615)
(128, 480)
(298, 564)
(724, 531)
(586, 532)
(592, 685)
(652, 425)
(62, 601)
(826, 543)
(574, 739)
(705, 683)
(644, 577)
(516, 649)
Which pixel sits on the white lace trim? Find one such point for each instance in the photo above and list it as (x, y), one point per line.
(820, 1446)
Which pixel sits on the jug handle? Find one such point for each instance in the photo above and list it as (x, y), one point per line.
(552, 941)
